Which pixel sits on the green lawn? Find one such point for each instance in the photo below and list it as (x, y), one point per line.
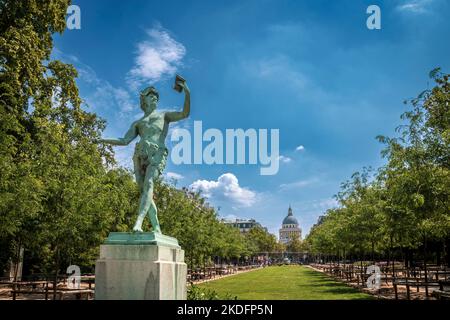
(284, 283)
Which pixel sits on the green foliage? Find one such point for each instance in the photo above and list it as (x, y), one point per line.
(57, 198)
(260, 241)
(295, 245)
(198, 293)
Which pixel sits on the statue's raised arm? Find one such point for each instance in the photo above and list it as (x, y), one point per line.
(177, 116)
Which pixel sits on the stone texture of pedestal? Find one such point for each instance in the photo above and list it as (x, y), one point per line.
(139, 269)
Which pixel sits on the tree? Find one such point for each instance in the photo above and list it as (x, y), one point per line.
(260, 240)
(54, 191)
(417, 174)
(295, 244)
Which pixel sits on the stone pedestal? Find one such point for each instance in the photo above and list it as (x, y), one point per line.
(140, 266)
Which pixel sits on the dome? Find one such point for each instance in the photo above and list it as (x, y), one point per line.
(290, 219)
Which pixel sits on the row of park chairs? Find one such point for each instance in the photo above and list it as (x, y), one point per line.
(212, 272)
(435, 280)
(44, 287)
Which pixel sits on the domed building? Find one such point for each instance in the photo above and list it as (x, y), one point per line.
(290, 228)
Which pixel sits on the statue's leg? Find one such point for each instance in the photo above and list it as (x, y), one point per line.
(147, 205)
(138, 173)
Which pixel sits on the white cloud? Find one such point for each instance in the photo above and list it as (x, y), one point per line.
(226, 188)
(278, 68)
(284, 159)
(324, 204)
(232, 218)
(124, 100)
(104, 95)
(297, 184)
(284, 76)
(300, 148)
(156, 58)
(173, 175)
(414, 6)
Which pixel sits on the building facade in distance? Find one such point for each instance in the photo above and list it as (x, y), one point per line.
(290, 228)
(244, 225)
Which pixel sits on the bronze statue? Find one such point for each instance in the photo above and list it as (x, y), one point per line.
(150, 154)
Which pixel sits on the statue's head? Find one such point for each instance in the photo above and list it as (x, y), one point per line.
(149, 99)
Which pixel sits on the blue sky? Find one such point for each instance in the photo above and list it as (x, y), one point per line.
(311, 69)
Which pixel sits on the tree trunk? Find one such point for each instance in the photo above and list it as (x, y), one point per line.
(373, 252)
(361, 271)
(55, 280)
(393, 258)
(18, 258)
(425, 264)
